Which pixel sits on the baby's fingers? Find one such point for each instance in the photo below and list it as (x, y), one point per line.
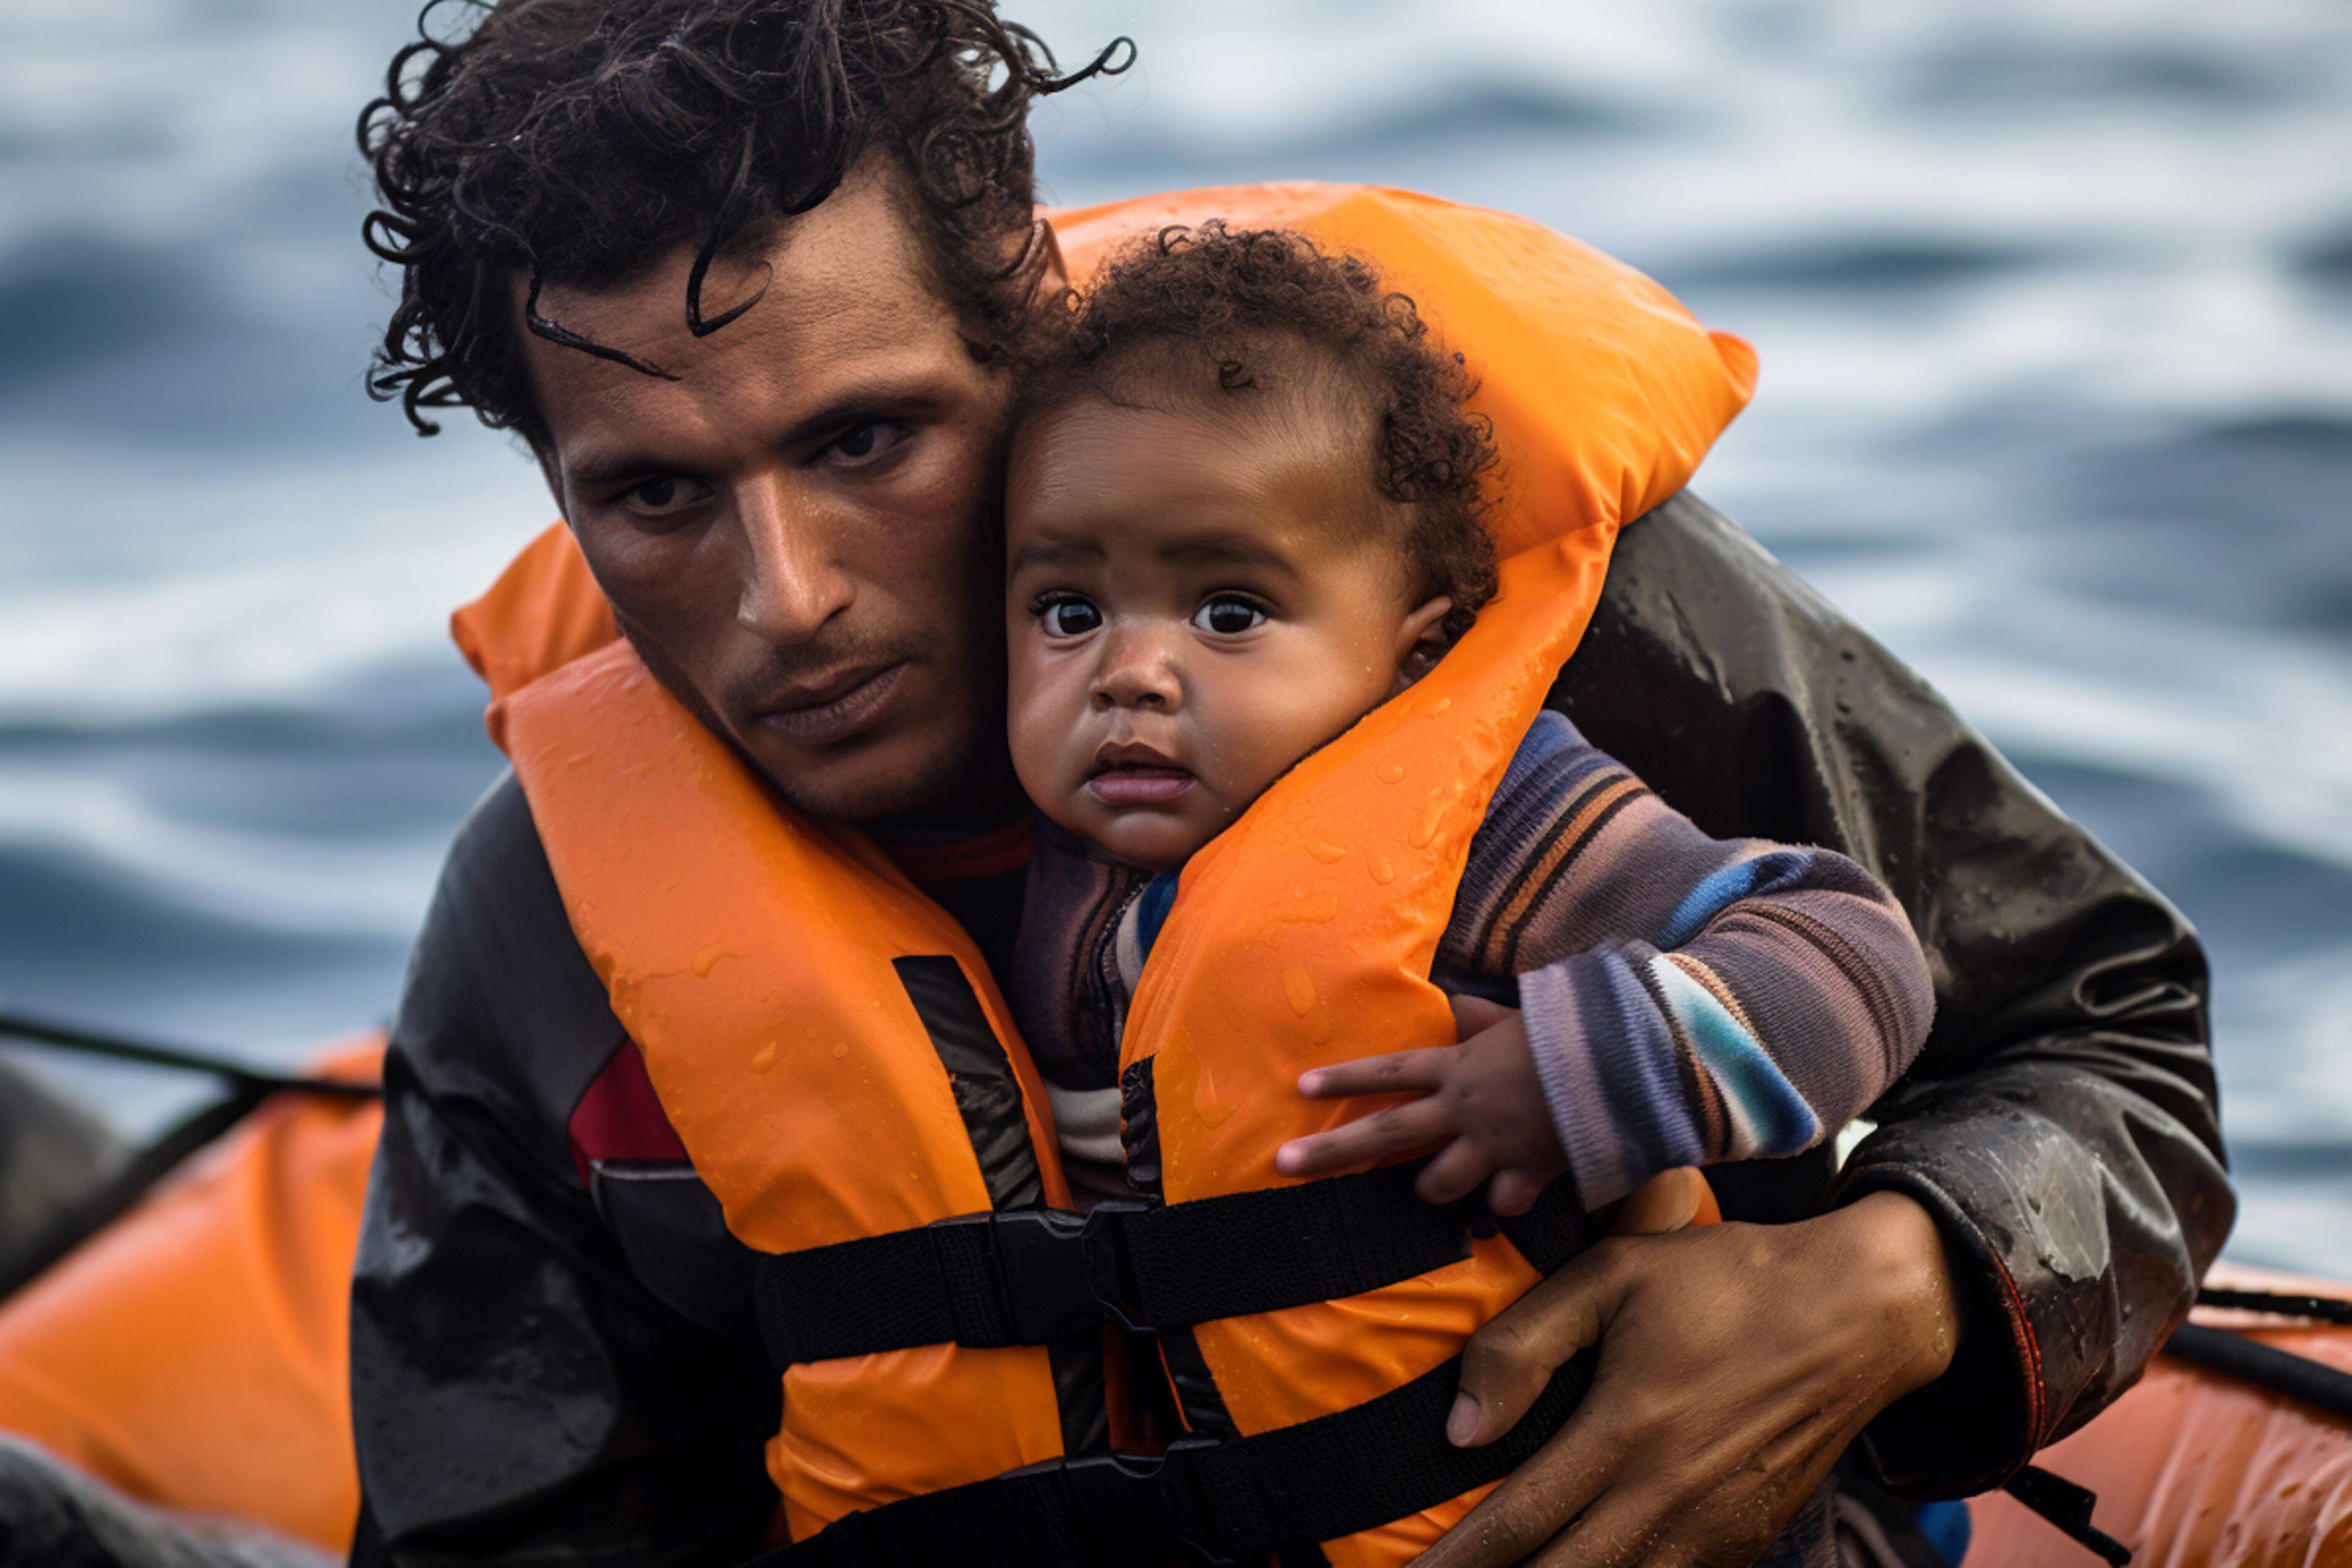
(1404, 1072)
(1362, 1142)
(1455, 1172)
(1513, 1191)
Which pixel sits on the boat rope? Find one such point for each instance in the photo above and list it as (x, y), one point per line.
(33, 1031)
(2315, 1383)
(2322, 1309)
(247, 1087)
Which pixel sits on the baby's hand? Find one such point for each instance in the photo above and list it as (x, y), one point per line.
(1481, 1107)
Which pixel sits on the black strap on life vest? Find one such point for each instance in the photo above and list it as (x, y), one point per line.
(1202, 1500)
(1031, 1276)
(2068, 1506)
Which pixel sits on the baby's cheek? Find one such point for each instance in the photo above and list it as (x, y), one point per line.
(1041, 723)
(1260, 733)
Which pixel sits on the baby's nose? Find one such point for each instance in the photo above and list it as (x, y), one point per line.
(1137, 671)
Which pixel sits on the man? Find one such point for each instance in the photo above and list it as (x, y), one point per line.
(737, 269)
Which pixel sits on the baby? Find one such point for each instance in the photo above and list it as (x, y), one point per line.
(1244, 509)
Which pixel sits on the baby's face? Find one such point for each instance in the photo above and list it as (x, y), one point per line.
(1196, 598)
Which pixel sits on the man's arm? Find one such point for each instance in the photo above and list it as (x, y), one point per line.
(519, 1395)
(2046, 1188)
(2061, 1123)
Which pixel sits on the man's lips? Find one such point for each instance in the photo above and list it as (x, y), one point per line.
(833, 709)
(1129, 773)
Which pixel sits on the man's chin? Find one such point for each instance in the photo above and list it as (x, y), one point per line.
(865, 783)
(906, 766)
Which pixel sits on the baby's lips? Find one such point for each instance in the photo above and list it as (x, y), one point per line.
(1140, 786)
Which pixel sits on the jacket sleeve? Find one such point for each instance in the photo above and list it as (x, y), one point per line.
(1688, 999)
(517, 1395)
(2061, 1123)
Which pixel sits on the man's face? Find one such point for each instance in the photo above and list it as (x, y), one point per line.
(795, 533)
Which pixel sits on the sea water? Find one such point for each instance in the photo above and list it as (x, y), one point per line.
(2055, 303)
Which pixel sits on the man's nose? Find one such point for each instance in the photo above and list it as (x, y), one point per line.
(792, 582)
(1138, 670)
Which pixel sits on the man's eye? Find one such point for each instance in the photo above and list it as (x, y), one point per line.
(1228, 615)
(863, 444)
(662, 495)
(1070, 617)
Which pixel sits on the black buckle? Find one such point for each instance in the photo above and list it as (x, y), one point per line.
(1055, 1270)
(1137, 1507)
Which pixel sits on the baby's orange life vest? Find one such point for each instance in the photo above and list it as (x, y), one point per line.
(845, 1077)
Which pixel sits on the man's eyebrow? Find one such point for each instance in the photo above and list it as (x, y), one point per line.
(1054, 552)
(599, 469)
(861, 406)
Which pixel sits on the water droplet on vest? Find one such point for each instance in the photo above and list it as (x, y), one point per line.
(1206, 1104)
(1393, 773)
(764, 1059)
(1382, 872)
(1298, 989)
(1328, 853)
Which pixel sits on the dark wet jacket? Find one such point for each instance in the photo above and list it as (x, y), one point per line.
(552, 1357)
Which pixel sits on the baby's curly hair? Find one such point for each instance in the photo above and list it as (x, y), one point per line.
(1243, 299)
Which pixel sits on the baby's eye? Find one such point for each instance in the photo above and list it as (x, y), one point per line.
(1228, 615)
(1069, 616)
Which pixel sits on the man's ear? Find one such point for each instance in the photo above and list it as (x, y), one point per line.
(1422, 642)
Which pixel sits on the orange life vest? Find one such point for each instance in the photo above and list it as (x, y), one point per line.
(831, 1047)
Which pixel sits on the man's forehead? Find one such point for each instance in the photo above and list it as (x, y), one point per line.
(842, 296)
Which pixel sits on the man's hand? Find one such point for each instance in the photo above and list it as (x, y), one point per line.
(1736, 1362)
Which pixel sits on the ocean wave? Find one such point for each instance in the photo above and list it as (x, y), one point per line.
(2326, 258)
(1841, 263)
(2055, 311)
(76, 299)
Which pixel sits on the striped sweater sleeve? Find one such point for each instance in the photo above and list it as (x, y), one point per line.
(1688, 999)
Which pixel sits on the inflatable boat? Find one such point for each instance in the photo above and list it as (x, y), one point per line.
(181, 1335)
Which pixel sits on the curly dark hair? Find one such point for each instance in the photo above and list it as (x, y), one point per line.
(1247, 299)
(576, 141)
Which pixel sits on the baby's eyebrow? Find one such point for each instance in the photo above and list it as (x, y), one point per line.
(1236, 548)
(1054, 552)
